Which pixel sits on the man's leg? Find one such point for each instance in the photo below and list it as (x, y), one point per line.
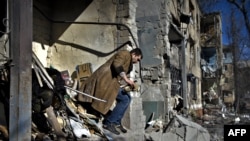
(123, 101)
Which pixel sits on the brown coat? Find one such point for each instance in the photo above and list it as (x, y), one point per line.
(104, 82)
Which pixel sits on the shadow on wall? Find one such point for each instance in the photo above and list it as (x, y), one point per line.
(45, 12)
(93, 51)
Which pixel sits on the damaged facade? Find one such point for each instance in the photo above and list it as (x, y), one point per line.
(227, 81)
(216, 63)
(243, 86)
(171, 38)
(77, 37)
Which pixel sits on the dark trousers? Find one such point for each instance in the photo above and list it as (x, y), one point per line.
(123, 100)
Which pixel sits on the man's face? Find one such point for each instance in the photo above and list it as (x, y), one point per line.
(136, 58)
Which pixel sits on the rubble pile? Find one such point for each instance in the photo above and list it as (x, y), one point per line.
(216, 115)
(74, 124)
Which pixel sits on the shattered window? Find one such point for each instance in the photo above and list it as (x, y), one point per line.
(176, 81)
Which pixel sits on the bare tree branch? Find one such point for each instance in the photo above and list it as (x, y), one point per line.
(242, 8)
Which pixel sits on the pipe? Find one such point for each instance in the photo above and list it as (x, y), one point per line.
(88, 95)
(184, 73)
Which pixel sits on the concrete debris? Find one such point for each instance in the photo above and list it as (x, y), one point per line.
(79, 130)
(178, 129)
(216, 116)
(207, 127)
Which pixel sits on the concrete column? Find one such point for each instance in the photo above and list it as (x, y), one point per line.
(20, 79)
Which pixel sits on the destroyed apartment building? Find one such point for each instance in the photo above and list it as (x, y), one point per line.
(216, 63)
(182, 66)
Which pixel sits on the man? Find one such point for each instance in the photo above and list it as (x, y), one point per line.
(104, 83)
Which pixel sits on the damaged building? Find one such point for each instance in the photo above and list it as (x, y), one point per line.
(227, 81)
(243, 87)
(216, 64)
(183, 59)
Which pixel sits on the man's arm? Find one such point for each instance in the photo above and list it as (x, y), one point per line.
(119, 61)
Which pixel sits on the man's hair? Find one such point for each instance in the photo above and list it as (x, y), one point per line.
(137, 51)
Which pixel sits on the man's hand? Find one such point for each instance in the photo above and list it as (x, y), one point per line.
(130, 82)
(127, 80)
(128, 88)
